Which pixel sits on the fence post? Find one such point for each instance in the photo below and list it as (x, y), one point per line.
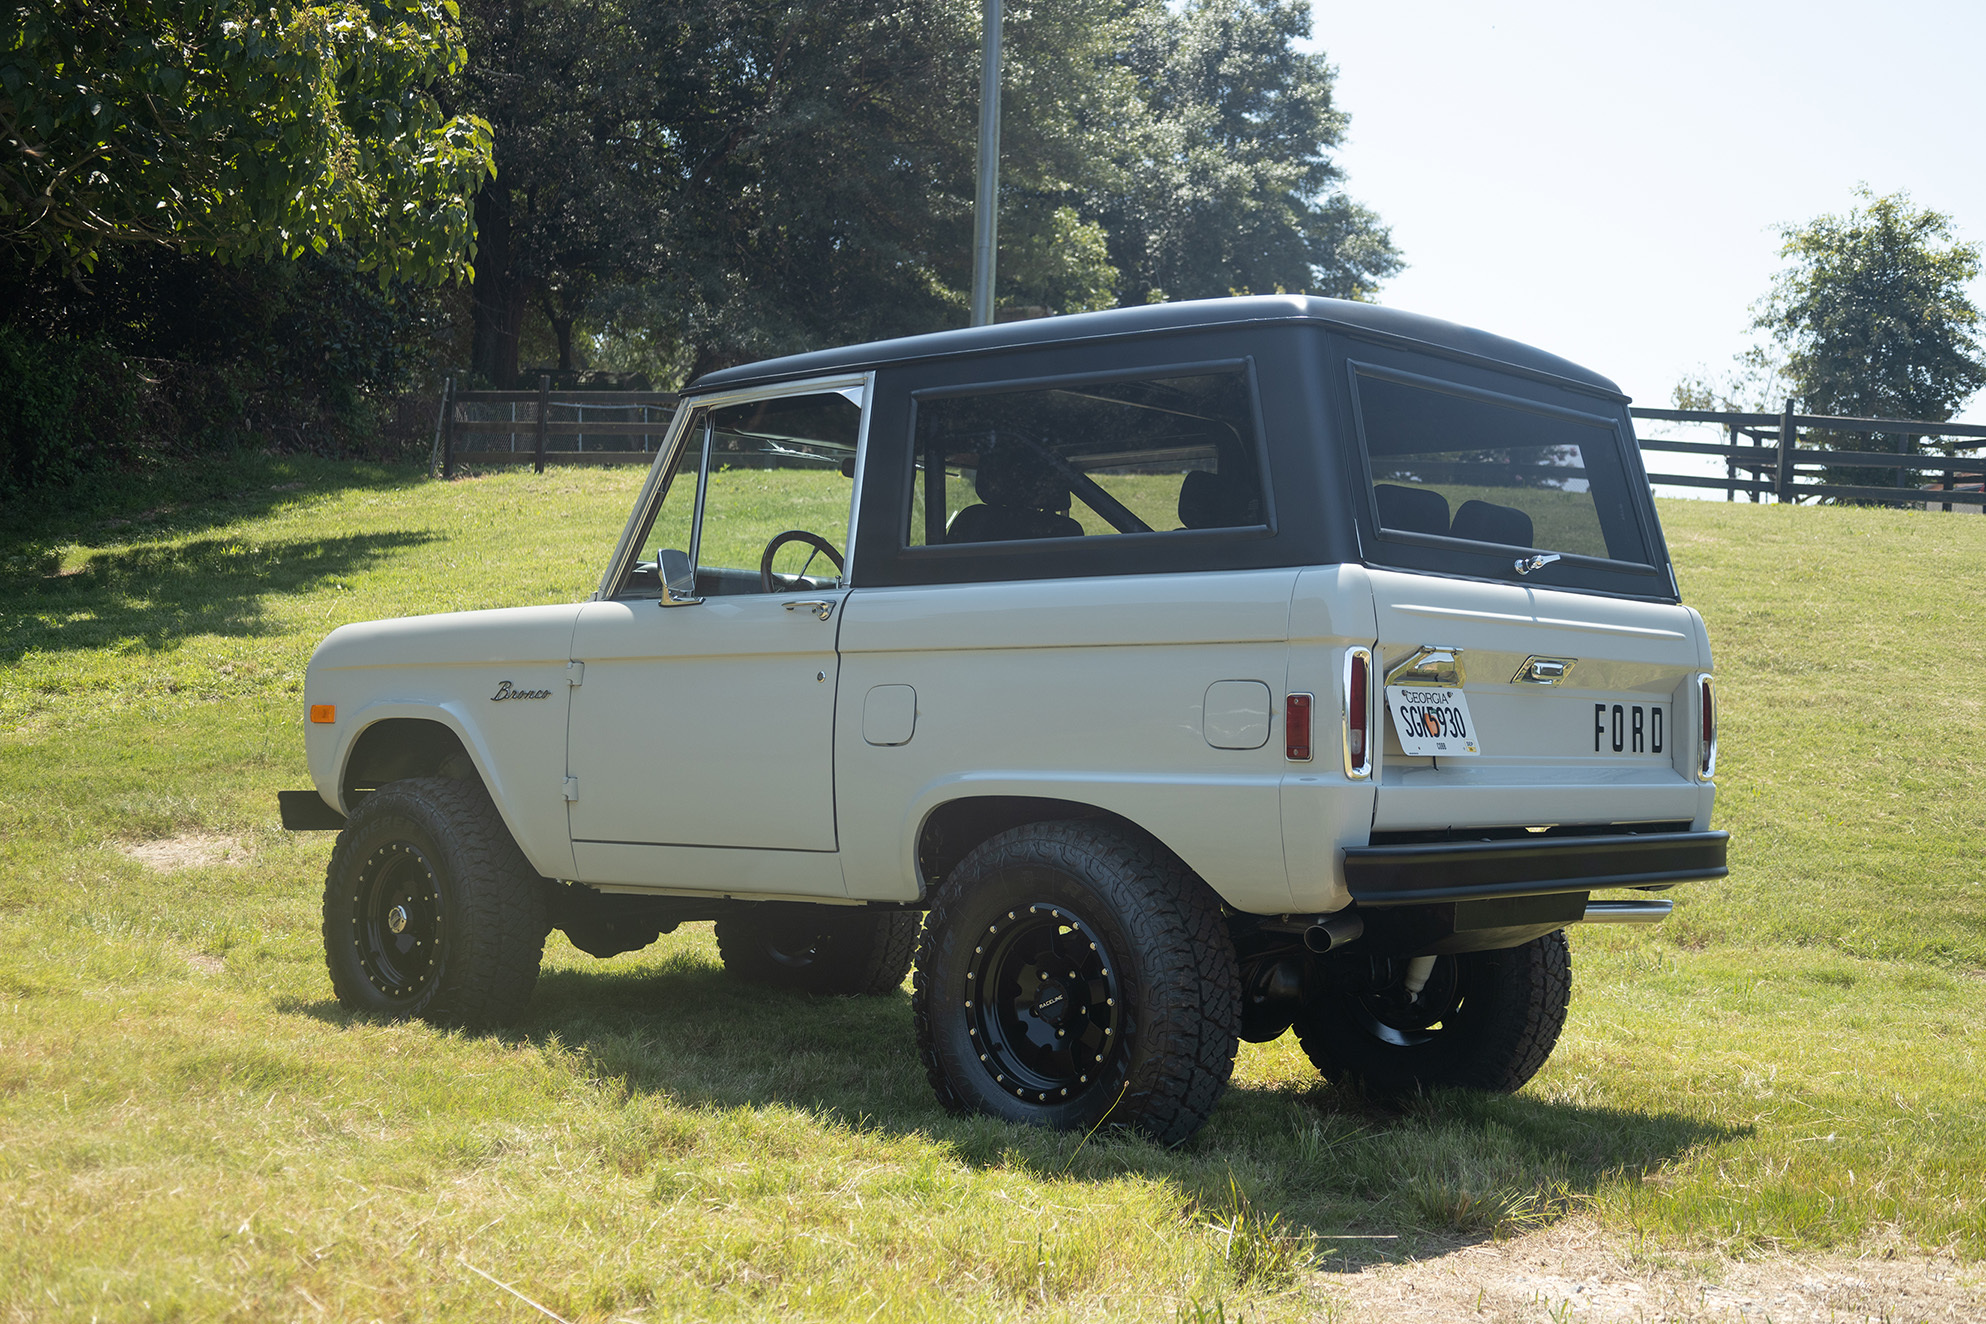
(448, 429)
(544, 403)
(1787, 441)
(1731, 462)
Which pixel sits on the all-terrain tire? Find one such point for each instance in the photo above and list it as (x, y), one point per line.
(1073, 974)
(818, 949)
(1500, 1014)
(431, 910)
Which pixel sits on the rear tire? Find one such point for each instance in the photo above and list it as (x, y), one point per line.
(431, 910)
(1073, 974)
(1485, 1021)
(818, 949)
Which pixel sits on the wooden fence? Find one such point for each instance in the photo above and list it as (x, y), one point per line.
(549, 426)
(1763, 457)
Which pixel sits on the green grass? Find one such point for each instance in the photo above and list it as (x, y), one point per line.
(190, 1127)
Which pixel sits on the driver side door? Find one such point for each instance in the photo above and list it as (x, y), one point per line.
(700, 746)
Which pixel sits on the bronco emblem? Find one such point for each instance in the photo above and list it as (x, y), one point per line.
(505, 691)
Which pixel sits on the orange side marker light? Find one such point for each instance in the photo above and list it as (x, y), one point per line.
(322, 713)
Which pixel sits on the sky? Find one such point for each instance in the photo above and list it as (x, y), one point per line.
(1607, 181)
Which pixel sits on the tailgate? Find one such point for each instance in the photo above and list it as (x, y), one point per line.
(1582, 708)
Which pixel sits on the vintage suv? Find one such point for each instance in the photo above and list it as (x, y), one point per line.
(1193, 671)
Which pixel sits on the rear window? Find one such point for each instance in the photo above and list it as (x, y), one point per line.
(1449, 464)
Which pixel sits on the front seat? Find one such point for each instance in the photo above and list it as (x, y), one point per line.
(1021, 496)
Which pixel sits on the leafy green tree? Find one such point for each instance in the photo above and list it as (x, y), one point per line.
(699, 182)
(237, 129)
(1871, 320)
(834, 183)
(1231, 188)
(1873, 317)
(580, 96)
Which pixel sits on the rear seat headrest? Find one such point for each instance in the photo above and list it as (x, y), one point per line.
(1484, 521)
(1411, 509)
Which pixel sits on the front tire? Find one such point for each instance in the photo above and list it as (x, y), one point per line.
(431, 910)
(1485, 1021)
(818, 949)
(1073, 974)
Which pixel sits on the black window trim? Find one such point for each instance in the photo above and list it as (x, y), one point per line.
(1243, 365)
(1369, 499)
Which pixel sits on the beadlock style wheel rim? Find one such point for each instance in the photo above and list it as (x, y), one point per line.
(1043, 1009)
(396, 920)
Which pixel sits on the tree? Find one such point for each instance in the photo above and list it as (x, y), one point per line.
(237, 129)
(1871, 320)
(1873, 316)
(708, 181)
(836, 178)
(1232, 189)
(579, 96)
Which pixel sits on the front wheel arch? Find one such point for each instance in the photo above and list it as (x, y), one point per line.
(399, 748)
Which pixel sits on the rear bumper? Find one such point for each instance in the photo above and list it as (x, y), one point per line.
(1381, 876)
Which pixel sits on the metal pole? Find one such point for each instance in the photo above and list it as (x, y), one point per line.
(986, 220)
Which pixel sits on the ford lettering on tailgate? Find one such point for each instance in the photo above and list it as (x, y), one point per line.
(1630, 728)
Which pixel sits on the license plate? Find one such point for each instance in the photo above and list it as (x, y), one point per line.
(1432, 721)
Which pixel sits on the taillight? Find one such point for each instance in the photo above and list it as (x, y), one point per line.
(1358, 713)
(1296, 728)
(1706, 754)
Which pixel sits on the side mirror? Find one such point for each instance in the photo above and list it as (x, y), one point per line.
(678, 578)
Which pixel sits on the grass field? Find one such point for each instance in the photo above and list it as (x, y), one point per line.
(190, 1128)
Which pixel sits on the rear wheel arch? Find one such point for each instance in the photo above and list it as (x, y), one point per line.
(956, 828)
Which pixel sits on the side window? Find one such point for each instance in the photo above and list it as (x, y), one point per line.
(1087, 460)
(768, 476)
(1461, 464)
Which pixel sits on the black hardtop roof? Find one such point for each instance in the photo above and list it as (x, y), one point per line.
(1152, 319)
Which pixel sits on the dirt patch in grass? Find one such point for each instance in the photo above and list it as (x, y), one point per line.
(1576, 1272)
(188, 850)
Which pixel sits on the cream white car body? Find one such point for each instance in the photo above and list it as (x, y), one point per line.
(740, 748)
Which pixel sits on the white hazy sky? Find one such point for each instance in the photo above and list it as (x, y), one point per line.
(1606, 180)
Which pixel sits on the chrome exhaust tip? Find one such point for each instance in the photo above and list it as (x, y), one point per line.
(1627, 912)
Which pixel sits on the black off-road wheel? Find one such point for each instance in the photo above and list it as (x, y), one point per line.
(818, 949)
(1484, 1021)
(1074, 974)
(431, 910)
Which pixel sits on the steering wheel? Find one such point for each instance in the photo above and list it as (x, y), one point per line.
(779, 540)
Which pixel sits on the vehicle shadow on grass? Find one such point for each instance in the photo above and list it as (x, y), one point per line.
(157, 594)
(1350, 1181)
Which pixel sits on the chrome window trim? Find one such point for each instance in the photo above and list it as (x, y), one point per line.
(665, 457)
(868, 398)
(688, 408)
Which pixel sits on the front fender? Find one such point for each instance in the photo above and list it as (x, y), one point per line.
(529, 792)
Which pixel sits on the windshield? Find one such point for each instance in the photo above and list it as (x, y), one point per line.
(1447, 462)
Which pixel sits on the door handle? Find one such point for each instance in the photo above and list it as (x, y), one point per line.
(821, 607)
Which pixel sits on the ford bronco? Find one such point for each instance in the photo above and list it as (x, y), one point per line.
(1157, 678)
